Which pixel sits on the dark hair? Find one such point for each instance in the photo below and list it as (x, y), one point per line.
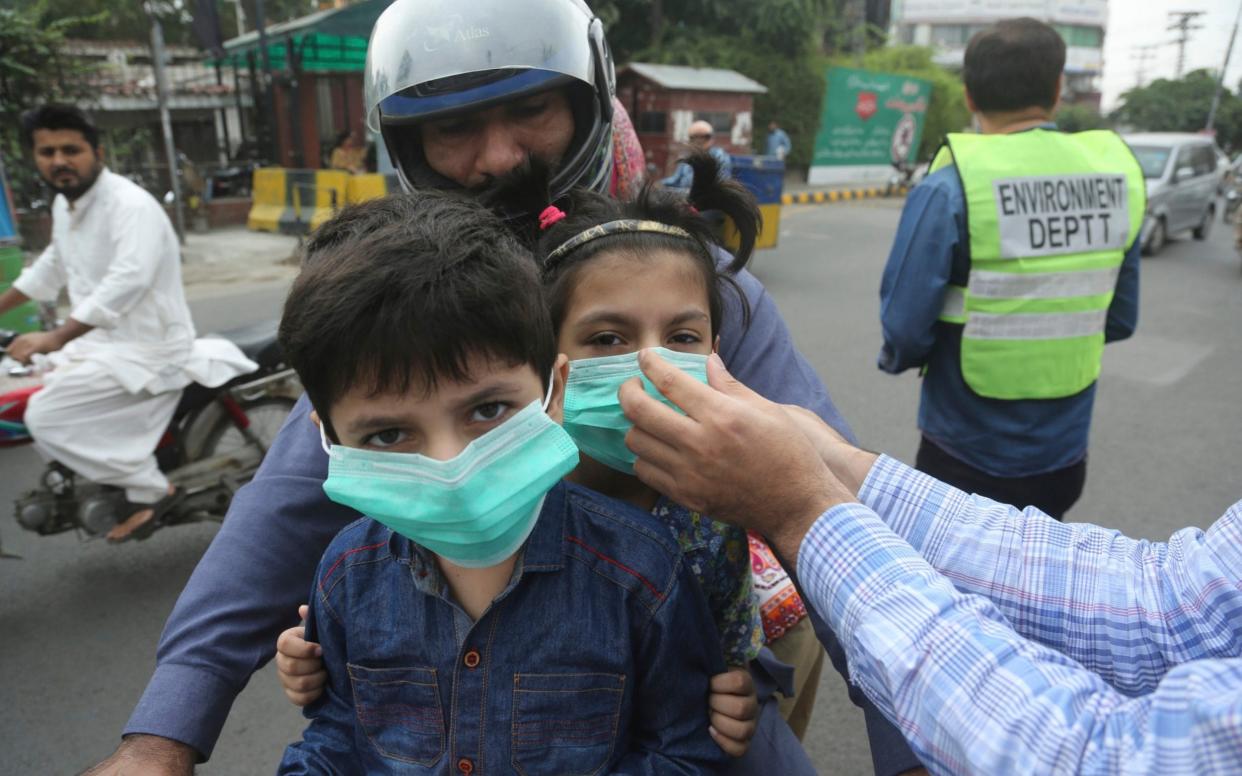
(57, 116)
(400, 292)
(1014, 64)
(586, 209)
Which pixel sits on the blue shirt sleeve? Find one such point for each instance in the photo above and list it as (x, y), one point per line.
(244, 591)
(1123, 312)
(919, 266)
(681, 178)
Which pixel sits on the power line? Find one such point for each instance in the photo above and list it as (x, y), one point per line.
(1184, 26)
(1143, 54)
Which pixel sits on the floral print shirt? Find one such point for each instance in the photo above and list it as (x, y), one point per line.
(719, 557)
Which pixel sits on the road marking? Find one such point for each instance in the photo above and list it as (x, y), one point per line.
(1154, 360)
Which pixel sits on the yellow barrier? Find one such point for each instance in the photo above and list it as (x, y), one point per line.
(298, 201)
(767, 236)
(268, 200)
(369, 186)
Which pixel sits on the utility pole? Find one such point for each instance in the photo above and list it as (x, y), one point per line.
(1183, 26)
(1220, 78)
(1143, 54)
(161, 88)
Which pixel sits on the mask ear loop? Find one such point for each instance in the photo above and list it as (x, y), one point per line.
(323, 439)
(547, 400)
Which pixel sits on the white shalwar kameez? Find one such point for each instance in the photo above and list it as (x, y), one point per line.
(111, 392)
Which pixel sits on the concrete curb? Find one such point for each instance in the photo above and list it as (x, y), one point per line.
(840, 195)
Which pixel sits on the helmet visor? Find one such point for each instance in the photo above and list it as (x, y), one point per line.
(422, 51)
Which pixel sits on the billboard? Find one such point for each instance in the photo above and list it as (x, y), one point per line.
(870, 118)
(1091, 12)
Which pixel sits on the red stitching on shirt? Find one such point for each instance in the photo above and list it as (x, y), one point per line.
(655, 591)
(327, 574)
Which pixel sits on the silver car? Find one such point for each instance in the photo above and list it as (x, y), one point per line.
(1182, 184)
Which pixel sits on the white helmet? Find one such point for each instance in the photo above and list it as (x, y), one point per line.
(430, 59)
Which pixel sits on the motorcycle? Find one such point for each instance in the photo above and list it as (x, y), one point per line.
(212, 446)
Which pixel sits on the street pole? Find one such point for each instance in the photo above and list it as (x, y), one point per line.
(269, 109)
(161, 89)
(1220, 79)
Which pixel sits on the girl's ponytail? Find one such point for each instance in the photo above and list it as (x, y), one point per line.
(711, 192)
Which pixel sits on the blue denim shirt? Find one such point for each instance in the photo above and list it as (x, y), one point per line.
(595, 658)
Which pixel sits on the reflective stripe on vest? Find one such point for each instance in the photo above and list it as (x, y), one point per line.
(1050, 217)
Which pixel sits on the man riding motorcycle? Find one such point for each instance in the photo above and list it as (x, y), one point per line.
(128, 346)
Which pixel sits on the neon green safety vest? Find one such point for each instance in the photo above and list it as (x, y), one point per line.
(1050, 217)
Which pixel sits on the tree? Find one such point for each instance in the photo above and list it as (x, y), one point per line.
(33, 69)
(1077, 118)
(1182, 105)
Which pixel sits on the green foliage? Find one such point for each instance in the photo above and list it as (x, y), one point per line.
(127, 20)
(947, 111)
(1078, 118)
(661, 30)
(1182, 106)
(33, 70)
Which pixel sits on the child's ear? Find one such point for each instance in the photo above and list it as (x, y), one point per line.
(560, 373)
(716, 344)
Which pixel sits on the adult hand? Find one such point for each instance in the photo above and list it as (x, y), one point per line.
(734, 455)
(26, 345)
(141, 755)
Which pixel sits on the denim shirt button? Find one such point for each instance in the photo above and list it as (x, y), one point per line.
(465, 765)
(472, 661)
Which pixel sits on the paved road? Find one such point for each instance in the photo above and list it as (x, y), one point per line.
(79, 621)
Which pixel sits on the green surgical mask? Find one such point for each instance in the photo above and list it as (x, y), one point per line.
(475, 509)
(593, 415)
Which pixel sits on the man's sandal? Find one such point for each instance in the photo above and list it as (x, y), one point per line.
(159, 510)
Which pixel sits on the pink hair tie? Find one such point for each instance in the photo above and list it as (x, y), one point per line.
(693, 210)
(550, 215)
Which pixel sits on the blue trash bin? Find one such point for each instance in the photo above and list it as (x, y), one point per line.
(764, 176)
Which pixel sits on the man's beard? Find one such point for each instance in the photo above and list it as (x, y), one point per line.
(522, 192)
(75, 190)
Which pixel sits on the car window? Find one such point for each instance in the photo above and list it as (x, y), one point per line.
(1152, 159)
(1185, 158)
(1205, 158)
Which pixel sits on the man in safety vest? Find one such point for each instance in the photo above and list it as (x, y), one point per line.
(1015, 261)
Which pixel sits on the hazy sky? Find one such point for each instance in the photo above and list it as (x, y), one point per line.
(1134, 23)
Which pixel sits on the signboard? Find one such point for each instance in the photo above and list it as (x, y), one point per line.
(870, 118)
(8, 224)
(1055, 214)
(1092, 12)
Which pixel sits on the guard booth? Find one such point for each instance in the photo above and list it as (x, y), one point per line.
(24, 317)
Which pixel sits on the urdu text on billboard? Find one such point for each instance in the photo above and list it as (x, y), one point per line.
(1093, 12)
(870, 118)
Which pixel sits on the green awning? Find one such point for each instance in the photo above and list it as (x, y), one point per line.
(334, 40)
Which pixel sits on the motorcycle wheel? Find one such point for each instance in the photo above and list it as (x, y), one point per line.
(266, 414)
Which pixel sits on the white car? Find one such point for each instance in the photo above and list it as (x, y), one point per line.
(1181, 170)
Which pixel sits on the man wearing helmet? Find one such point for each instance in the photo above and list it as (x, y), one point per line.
(461, 94)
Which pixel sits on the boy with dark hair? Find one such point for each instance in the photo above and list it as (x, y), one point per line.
(1014, 64)
(486, 616)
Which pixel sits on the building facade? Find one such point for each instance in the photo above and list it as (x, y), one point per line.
(947, 26)
(663, 100)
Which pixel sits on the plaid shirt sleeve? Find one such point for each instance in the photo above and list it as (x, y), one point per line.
(973, 697)
(1128, 610)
